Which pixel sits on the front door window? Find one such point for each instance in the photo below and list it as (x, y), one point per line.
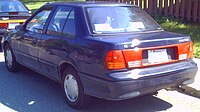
(38, 21)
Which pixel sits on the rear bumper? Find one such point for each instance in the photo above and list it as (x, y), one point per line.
(139, 82)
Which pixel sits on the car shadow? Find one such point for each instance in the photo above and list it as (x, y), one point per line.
(27, 91)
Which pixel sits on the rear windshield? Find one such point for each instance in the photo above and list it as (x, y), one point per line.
(12, 6)
(109, 19)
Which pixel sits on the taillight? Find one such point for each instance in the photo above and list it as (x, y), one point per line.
(133, 57)
(115, 60)
(13, 13)
(191, 51)
(185, 51)
(4, 25)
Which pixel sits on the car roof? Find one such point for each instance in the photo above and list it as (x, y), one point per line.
(90, 4)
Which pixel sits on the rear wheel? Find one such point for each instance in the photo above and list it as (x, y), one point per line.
(10, 59)
(73, 89)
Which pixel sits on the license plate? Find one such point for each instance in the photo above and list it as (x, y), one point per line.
(12, 25)
(157, 56)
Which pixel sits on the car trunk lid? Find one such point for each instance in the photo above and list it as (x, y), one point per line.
(14, 15)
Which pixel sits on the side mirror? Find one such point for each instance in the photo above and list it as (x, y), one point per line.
(19, 27)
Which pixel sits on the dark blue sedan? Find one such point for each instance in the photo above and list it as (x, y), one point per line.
(106, 50)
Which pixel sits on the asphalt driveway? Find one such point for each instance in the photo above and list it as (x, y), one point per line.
(27, 91)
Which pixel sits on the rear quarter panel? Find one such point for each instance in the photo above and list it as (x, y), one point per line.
(91, 54)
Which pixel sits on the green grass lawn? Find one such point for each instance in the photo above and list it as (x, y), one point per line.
(177, 26)
(173, 25)
(34, 6)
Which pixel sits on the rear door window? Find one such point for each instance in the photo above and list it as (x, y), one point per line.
(58, 20)
(69, 27)
(62, 22)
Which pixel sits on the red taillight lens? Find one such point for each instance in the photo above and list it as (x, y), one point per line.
(185, 51)
(133, 57)
(13, 13)
(115, 60)
(3, 25)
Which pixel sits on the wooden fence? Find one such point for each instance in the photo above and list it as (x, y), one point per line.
(182, 9)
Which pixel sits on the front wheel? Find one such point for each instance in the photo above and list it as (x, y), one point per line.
(10, 61)
(73, 89)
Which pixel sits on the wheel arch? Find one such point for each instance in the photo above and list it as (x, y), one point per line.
(5, 43)
(6, 39)
(63, 66)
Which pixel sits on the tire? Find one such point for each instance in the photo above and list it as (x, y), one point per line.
(73, 89)
(10, 60)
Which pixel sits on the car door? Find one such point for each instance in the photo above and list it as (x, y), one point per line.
(53, 46)
(27, 51)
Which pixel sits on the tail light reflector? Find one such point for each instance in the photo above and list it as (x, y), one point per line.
(115, 60)
(3, 25)
(132, 64)
(183, 56)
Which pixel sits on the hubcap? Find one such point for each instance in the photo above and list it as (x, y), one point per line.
(9, 58)
(71, 88)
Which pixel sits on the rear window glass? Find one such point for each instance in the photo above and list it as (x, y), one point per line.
(12, 6)
(109, 19)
